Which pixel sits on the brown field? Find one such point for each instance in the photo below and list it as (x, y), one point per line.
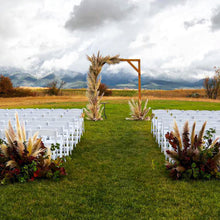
(78, 95)
(175, 93)
(27, 101)
(133, 92)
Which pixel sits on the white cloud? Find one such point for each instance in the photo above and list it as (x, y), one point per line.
(65, 62)
(172, 38)
(157, 6)
(36, 30)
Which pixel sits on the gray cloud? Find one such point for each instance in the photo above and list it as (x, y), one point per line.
(93, 13)
(159, 5)
(189, 24)
(207, 63)
(216, 20)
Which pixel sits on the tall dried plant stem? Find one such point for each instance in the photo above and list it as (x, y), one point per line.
(94, 109)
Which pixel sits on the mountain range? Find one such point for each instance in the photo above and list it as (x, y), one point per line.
(78, 80)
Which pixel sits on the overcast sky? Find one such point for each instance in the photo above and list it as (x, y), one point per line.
(173, 38)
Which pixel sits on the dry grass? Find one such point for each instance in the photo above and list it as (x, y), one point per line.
(154, 93)
(179, 94)
(27, 101)
(33, 88)
(174, 93)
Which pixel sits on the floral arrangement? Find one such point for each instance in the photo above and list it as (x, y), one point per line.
(192, 157)
(24, 161)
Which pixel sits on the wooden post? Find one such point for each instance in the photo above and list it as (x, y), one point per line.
(139, 79)
(138, 69)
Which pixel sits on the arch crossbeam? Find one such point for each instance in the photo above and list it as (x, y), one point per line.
(138, 69)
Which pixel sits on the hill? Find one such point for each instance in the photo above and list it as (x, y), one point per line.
(78, 80)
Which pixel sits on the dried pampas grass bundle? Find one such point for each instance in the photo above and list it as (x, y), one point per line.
(94, 109)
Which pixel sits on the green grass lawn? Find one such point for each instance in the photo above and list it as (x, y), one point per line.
(116, 172)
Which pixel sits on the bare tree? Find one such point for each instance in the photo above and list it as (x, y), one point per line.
(212, 85)
(54, 87)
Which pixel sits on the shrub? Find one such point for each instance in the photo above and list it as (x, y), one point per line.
(194, 95)
(6, 86)
(103, 89)
(22, 161)
(7, 89)
(55, 87)
(192, 158)
(20, 92)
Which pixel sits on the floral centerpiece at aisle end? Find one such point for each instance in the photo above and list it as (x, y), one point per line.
(137, 113)
(24, 161)
(191, 156)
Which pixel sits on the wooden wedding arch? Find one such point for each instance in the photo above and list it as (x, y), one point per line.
(93, 109)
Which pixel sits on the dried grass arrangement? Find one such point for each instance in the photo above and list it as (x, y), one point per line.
(94, 109)
(137, 113)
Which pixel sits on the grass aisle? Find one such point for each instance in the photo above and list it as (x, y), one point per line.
(120, 161)
(116, 172)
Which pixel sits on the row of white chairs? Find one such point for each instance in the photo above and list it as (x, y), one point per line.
(164, 120)
(62, 126)
(40, 112)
